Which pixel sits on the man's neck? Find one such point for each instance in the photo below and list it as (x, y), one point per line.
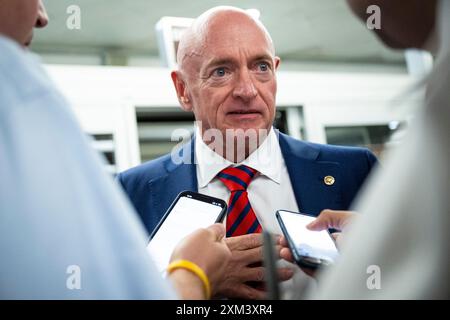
(237, 147)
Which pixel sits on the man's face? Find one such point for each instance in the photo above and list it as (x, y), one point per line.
(230, 80)
(19, 17)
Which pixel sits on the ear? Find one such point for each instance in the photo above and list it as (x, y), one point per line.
(277, 62)
(182, 94)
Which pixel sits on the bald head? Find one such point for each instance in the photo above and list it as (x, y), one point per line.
(227, 74)
(210, 23)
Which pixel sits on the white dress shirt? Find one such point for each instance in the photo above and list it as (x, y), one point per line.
(269, 191)
(66, 229)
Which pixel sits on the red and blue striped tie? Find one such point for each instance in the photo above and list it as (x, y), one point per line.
(241, 218)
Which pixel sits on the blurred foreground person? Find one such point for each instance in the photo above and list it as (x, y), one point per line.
(399, 247)
(66, 231)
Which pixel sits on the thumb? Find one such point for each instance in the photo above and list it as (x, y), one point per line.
(317, 225)
(331, 219)
(218, 230)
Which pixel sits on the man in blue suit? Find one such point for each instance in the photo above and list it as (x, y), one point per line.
(227, 77)
(153, 185)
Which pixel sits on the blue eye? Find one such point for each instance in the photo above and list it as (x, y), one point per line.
(219, 72)
(263, 66)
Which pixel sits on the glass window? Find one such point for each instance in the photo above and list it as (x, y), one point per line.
(155, 128)
(373, 137)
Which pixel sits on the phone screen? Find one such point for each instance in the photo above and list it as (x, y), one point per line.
(314, 244)
(186, 215)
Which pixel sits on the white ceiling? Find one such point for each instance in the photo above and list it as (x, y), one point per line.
(303, 30)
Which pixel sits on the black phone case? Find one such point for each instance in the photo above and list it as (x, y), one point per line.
(196, 196)
(302, 261)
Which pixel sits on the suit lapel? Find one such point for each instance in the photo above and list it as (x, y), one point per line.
(179, 177)
(307, 174)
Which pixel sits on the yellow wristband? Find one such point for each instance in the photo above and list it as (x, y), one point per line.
(188, 265)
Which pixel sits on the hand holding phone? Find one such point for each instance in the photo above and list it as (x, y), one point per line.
(310, 249)
(189, 212)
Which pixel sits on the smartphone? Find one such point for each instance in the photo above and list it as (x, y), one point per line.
(311, 249)
(187, 213)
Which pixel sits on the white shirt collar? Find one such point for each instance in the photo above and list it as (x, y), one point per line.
(266, 159)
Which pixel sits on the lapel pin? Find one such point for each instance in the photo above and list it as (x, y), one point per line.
(329, 180)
